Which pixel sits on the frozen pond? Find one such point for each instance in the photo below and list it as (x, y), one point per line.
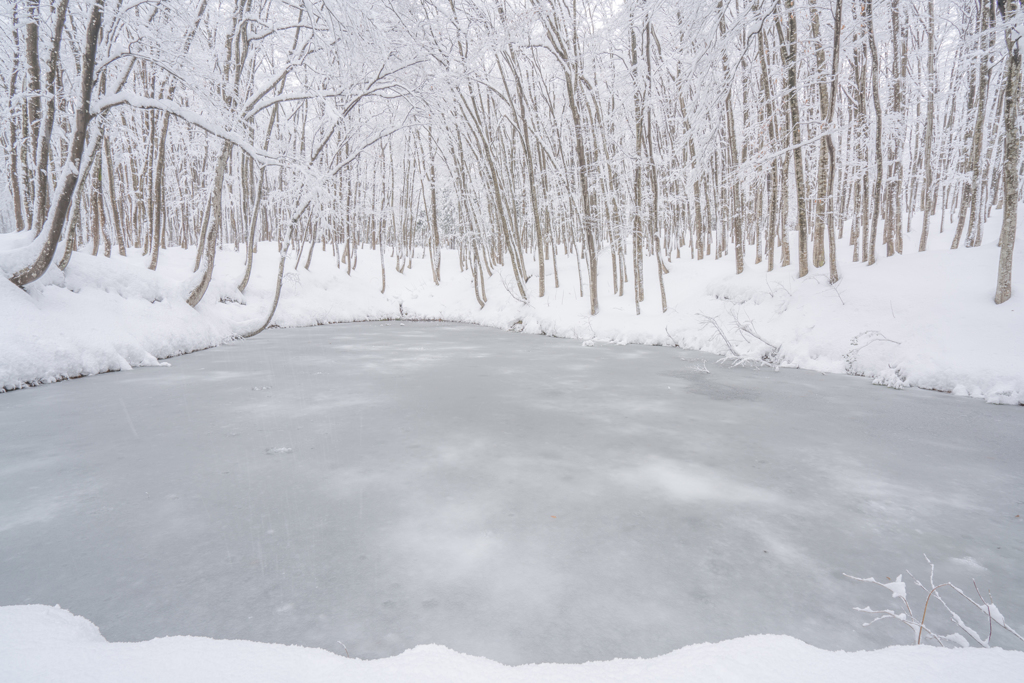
(512, 496)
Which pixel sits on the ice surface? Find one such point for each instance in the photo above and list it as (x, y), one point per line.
(512, 496)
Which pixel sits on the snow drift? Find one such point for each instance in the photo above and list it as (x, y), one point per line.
(42, 644)
(920, 319)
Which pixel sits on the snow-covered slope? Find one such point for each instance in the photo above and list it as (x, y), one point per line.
(920, 319)
(48, 644)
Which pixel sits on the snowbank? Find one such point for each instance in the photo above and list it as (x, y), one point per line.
(923, 320)
(42, 644)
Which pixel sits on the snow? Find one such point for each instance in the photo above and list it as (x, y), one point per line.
(43, 644)
(898, 588)
(970, 563)
(915, 320)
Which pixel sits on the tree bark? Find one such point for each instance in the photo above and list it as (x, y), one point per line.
(1011, 157)
(638, 254)
(876, 201)
(789, 55)
(929, 129)
(53, 226)
(213, 229)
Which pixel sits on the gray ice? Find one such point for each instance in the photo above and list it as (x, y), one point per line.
(372, 487)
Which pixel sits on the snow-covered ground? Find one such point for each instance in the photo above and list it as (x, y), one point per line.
(924, 320)
(50, 645)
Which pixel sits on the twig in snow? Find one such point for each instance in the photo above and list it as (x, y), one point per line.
(770, 358)
(835, 286)
(674, 340)
(861, 342)
(708, 320)
(508, 288)
(899, 590)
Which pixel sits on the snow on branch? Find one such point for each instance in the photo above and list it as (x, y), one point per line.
(768, 355)
(189, 116)
(898, 588)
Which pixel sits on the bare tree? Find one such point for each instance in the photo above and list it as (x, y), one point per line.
(1011, 158)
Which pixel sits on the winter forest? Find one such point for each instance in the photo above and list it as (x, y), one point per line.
(773, 206)
(508, 131)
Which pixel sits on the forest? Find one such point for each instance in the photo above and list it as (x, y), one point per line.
(549, 131)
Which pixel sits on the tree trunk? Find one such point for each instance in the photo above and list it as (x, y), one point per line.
(969, 198)
(1011, 157)
(15, 145)
(638, 254)
(789, 55)
(929, 129)
(53, 226)
(158, 193)
(876, 201)
(216, 218)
